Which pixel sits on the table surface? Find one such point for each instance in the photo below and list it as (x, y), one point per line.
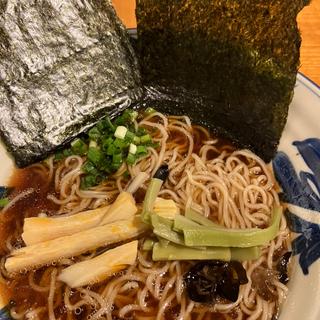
(309, 24)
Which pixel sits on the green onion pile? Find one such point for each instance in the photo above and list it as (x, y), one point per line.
(108, 145)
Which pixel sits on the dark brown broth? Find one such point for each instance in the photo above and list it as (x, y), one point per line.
(19, 290)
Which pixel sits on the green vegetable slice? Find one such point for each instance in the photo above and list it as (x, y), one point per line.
(181, 223)
(131, 159)
(148, 245)
(150, 198)
(95, 155)
(173, 251)
(177, 252)
(241, 238)
(79, 147)
(243, 254)
(163, 228)
(199, 218)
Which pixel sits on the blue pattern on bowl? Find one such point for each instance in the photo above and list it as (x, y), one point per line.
(302, 190)
(5, 314)
(307, 244)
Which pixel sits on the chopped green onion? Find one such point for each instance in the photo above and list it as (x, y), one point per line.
(136, 140)
(112, 149)
(134, 115)
(115, 166)
(121, 143)
(149, 111)
(4, 202)
(117, 158)
(146, 138)
(89, 167)
(131, 159)
(93, 144)
(67, 153)
(142, 150)
(132, 148)
(89, 181)
(107, 145)
(154, 145)
(106, 142)
(130, 136)
(105, 124)
(141, 132)
(120, 132)
(94, 133)
(109, 124)
(241, 238)
(127, 117)
(79, 147)
(95, 155)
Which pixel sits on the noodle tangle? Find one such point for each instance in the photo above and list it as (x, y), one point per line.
(231, 187)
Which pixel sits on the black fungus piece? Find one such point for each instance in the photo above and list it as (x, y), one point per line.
(207, 281)
(162, 173)
(231, 65)
(63, 66)
(282, 267)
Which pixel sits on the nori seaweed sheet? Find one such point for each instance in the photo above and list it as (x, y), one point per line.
(229, 64)
(63, 65)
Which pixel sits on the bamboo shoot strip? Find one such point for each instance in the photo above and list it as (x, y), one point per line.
(101, 267)
(69, 246)
(123, 208)
(165, 208)
(39, 229)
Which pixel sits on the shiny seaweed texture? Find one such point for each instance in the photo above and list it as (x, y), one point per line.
(63, 66)
(230, 65)
(302, 190)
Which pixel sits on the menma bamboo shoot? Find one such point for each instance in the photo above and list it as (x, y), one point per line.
(40, 229)
(69, 246)
(101, 267)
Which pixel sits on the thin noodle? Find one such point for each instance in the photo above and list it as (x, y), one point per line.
(232, 188)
